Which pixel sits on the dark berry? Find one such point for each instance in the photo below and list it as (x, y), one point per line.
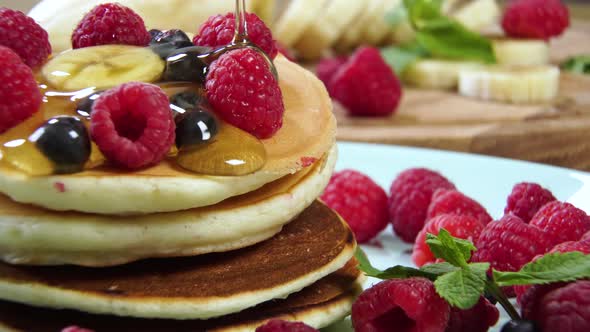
(168, 41)
(64, 140)
(479, 318)
(187, 64)
(154, 32)
(277, 325)
(187, 100)
(84, 105)
(520, 326)
(195, 127)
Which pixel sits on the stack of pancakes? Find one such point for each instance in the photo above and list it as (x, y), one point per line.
(163, 249)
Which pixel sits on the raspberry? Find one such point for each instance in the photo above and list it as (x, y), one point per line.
(461, 226)
(244, 92)
(110, 23)
(526, 199)
(565, 309)
(286, 52)
(562, 221)
(277, 325)
(24, 36)
(327, 68)
(452, 201)
(409, 304)
(75, 329)
(360, 201)
(366, 85)
(477, 319)
(536, 19)
(586, 237)
(19, 94)
(410, 196)
(529, 298)
(132, 125)
(219, 31)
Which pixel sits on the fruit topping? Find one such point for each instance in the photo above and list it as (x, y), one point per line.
(277, 325)
(366, 85)
(24, 36)
(477, 319)
(166, 42)
(327, 68)
(187, 100)
(562, 222)
(556, 312)
(194, 127)
(520, 326)
(244, 92)
(454, 202)
(535, 19)
(410, 195)
(102, 67)
(219, 31)
(526, 199)
(132, 125)
(110, 23)
(408, 304)
(19, 94)
(360, 201)
(74, 328)
(84, 105)
(187, 64)
(65, 141)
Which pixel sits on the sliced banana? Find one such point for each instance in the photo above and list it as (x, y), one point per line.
(102, 67)
(352, 36)
(296, 19)
(437, 74)
(478, 14)
(521, 52)
(511, 84)
(379, 29)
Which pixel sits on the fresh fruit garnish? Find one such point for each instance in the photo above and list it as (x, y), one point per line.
(577, 64)
(536, 19)
(84, 105)
(476, 319)
(451, 201)
(435, 73)
(366, 85)
(195, 127)
(230, 82)
(187, 64)
(360, 201)
(65, 141)
(410, 195)
(520, 325)
(526, 199)
(562, 222)
(327, 68)
(277, 325)
(75, 329)
(132, 125)
(187, 100)
(219, 31)
(521, 52)
(19, 94)
(110, 23)
(24, 36)
(102, 67)
(166, 42)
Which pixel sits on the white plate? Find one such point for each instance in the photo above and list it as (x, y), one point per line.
(488, 180)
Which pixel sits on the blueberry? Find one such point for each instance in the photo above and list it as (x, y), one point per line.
(195, 127)
(187, 64)
(65, 141)
(167, 42)
(84, 106)
(520, 326)
(187, 100)
(154, 33)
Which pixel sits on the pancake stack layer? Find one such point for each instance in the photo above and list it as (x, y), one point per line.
(164, 249)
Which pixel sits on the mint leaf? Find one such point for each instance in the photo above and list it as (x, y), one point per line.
(578, 64)
(439, 268)
(453, 250)
(364, 264)
(548, 269)
(395, 272)
(461, 289)
(400, 57)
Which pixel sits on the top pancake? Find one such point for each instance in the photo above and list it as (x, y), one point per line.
(308, 132)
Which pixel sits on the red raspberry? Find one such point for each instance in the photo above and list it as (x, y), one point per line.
(461, 226)
(230, 84)
(277, 325)
(366, 85)
(454, 202)
(132, 125)
(536, 19)
(410, 303)
(286, 52)
(360, 201)
(410, 196)
(327, 68)
(24, 36)
(110, 23)
(529, 298)
(19, 94)
(477, 319)
(75, 329)
(526, 199)
(565, 309)
(219, 31)
(586, 237)
(562, 221)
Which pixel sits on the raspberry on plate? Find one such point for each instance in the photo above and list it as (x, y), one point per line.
(400, 302)
(477, 319)
(565, 309)
(586, 237)
(75, 329)
(562, 221)
(19, 94)
(327, 68)
(132, 125)
(277, 325)
(366, 85)
(529, 298)
(24, 36)
(454, 202)
(535, 19)
(410, 196)
(219, 31)
(243, 91)
(361, 202)
(110, 23)
(461, 226)
(526, 199)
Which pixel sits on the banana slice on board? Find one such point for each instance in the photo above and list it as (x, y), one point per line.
(511, 84)
(521, 52)
(376, 32)
(296, 19)
(437, 74)
(352, 36)
(102, 67)
(479, 14)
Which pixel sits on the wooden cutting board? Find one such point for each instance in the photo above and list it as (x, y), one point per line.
(557, 133)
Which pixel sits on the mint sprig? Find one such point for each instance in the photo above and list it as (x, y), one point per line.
(578, 64)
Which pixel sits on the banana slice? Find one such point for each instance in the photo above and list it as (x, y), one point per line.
(102, 67)
(521, 52)
(437, 74)
(297, 18)
(352, 36)
(511, 84)
(479, 14)
(376, 32)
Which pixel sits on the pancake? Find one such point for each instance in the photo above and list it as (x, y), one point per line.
(315, 244)
(307, 134)
(36, 236)
(319, 305)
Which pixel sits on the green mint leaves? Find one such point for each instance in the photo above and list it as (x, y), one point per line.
(453, 250)
(400, 57)
(578, 64)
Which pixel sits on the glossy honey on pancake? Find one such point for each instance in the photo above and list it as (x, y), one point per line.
(309, 248)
